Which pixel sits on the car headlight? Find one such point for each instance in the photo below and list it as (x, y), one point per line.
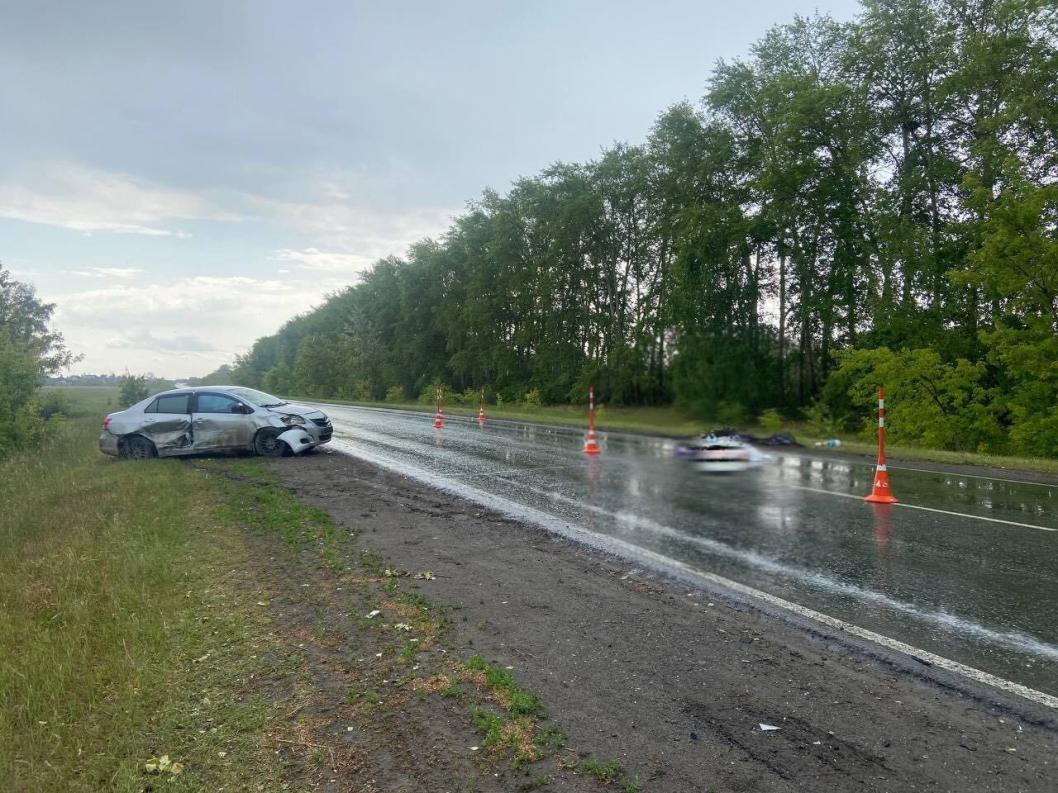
(294, 421)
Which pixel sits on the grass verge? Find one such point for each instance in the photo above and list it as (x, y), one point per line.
(130, 656)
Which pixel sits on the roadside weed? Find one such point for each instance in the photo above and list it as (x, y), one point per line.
(605, 772)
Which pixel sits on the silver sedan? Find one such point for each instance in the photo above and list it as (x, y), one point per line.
(213, 419)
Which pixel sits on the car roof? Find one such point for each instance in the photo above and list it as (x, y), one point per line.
(197, 389)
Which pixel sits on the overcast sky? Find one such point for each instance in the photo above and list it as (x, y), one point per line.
(181, 178)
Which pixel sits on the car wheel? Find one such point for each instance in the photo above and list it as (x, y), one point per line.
(267, 444)
(138, 448)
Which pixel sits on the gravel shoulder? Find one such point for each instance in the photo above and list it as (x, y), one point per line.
(672, 682)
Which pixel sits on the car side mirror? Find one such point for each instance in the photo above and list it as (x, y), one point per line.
(242, 409)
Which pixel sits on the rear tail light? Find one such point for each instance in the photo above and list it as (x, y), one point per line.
(106, 422)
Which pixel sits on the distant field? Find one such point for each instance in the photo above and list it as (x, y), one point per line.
(86, 400)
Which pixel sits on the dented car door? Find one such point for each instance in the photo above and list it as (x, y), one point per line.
(221, 422)
(167, 423)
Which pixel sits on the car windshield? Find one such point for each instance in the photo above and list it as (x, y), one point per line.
(258, 398)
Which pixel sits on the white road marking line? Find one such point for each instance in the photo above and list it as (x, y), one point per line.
(928, 509)
(973, 476)
(847, 465)
(614, 545)
(940, 662)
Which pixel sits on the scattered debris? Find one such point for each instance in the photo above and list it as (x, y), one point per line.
(768, 727)
(425, 576)
(372, 614)
(162, 765)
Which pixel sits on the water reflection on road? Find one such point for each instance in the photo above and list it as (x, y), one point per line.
(980, 592)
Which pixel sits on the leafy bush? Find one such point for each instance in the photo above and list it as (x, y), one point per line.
(28, 350)
(133, 390)
(51, 404)
(21, 423)
(822, 420)
(1028, 396)
(428, 395)
(279, 379)
(732, 414)
(396, 394)
(770, 420)
(928, 402)
(532, 398)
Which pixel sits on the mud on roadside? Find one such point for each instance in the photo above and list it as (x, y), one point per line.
(633, 669)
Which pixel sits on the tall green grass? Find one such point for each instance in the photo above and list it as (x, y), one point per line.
(111, 586)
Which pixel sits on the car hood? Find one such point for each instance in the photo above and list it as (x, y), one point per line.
(294, 409)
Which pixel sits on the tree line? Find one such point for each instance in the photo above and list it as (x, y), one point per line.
(850, 203)
(29, 351)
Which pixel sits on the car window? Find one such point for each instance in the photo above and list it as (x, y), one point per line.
(217, 403)
(170, 403)
(259, 398)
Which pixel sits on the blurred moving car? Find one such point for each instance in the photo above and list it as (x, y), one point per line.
(213, 419)
(721, 454)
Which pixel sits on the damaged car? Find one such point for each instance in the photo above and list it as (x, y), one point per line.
(211, 419)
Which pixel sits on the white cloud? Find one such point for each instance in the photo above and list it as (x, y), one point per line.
(192, 325)
(315, 259)
(91, 200)
(346, 229)
(108, 272)
(182, 328)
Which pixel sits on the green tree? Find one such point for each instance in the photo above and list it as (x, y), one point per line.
(29, 350)
(133, 389)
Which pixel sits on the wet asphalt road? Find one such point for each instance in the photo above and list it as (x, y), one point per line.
(982, 592)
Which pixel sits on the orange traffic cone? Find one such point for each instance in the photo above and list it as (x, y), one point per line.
(880, 492)
(590, 446)
(439, 417)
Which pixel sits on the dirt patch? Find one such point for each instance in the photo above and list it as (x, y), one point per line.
(672, 683)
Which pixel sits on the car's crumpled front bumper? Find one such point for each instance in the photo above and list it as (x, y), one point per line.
(298, 439)
(318, 432)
